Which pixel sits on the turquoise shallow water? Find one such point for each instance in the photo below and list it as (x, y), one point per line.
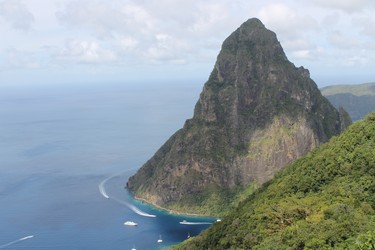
(59, 143)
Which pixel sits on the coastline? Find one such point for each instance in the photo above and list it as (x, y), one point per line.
(170, 210)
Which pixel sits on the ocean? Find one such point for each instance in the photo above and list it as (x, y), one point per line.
(66, 152)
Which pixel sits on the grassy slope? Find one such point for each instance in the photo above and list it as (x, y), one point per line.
(324, 200)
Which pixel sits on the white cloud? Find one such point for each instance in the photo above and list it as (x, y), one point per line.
(17, 14)
(97, 18)
(128, 43)
(346, 5)
(105, 20)
(293, 29)
(85, 52)
(344, 41)
(207, 16)
(331, 19)
(136, 33)
(366, 24)
(148, 32)
(301, 49)
(166, 49)
(302, 54)
(297, 44)
(286, 20)
(139, 16)
(143, 33)
(355, 61)
(17, 59)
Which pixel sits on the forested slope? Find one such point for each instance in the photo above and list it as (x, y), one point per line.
(323, 200)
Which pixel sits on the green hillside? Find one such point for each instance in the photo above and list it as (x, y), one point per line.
(358, 100)
(355, 89)
(324, 200)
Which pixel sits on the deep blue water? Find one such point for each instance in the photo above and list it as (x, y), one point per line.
(58, 143)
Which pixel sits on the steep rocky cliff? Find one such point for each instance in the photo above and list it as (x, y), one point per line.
(257, 113)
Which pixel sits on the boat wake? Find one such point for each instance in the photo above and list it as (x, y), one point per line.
(194, 223)
(138, 211)
(16, 241)
(102, 189)
(132, 207)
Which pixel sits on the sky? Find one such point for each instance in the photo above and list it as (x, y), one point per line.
(83, 41)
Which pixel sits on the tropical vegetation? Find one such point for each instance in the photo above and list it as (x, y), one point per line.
(324, 200)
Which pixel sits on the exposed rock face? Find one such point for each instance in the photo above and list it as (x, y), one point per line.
(257, 113)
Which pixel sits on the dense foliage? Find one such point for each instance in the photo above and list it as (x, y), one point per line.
(321, 201)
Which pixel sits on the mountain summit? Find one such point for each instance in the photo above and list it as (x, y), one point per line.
(257, 113)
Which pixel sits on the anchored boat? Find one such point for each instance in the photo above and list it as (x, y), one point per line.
(130, 223)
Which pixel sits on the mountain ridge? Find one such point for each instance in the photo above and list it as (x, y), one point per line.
(354, 89)
(357, 99)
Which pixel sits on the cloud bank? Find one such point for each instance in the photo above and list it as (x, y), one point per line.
(327, 36)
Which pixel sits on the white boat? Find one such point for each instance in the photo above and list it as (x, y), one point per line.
(134, 248)
(160, 240)
(130, 223)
